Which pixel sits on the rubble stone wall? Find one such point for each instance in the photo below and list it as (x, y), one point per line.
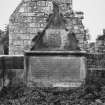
(30, 17)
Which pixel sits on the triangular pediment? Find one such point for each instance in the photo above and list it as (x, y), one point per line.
(56, 20)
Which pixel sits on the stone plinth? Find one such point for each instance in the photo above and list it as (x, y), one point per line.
(55, 68)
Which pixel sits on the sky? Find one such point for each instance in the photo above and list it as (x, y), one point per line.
(94, 14)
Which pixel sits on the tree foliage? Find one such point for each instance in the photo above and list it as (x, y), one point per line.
(4, 39)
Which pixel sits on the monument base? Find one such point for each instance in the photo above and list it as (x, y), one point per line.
(55, 68)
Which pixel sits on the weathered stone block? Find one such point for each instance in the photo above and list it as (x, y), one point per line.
(42, 68)
(18, 42)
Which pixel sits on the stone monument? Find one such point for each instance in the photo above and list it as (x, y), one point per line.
(55, 59)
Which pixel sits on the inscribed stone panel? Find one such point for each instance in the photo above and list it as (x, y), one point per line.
(56, 69)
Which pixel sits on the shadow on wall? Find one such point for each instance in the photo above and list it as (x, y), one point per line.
(11, 70)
